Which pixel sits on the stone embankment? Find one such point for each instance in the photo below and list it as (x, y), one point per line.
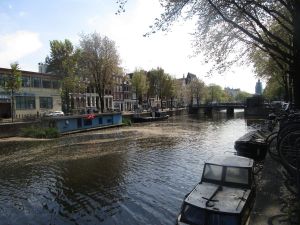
(276, 203)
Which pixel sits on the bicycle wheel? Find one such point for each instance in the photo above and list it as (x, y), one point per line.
(289, 150)
(272, 148)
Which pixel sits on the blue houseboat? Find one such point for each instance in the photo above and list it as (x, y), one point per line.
(70, 124)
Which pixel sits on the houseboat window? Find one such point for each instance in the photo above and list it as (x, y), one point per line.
(87, 122)
(100, 120)
(213, 172)
(220, 219)
(193, 215)
(237, 175)
(46, 103)
(79, 123)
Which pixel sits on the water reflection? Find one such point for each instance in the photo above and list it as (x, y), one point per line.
(131, 175)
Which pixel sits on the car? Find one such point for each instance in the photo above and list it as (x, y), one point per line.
(55, 113)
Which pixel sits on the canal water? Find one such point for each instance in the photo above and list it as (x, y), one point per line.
(129, 175)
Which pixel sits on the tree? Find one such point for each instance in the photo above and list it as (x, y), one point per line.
(197, 90)
(159, 84)
(140, 84)
(13, 84)
(272, 69)
(242, 96)
(101, 61)
(236, 26)
(274, 90)
(215, 93)
(63, 61)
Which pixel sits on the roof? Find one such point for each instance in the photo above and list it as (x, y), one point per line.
(226, 199)
(232, 160)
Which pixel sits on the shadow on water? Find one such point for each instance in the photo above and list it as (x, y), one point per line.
(128, 175)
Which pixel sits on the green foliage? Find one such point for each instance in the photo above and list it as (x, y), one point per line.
(64, 62)
(126, 122)
(14, 80)
(242, 96)
(101, 61)
(12, 84)
(196, 90)
(140, 84)
(215, 93)
(273, 90)
(40, 132)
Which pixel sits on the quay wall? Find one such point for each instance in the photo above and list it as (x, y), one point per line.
(14, 129)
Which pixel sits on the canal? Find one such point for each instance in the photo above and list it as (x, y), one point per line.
(129, 175)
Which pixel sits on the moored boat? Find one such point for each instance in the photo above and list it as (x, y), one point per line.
(157, 116)
(252, 145)
(225, 195)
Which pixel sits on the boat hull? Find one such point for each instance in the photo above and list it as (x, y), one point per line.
(148, 119)
(252, 145)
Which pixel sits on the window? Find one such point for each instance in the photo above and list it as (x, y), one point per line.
(46, 83)
(36, 82)
(79, 122)
(213, 172)
(46, 102)
(2, 80)
(25, 102)
(236, 175)
(87, 122)
(55, 84)
(100, 120)
(25, 81)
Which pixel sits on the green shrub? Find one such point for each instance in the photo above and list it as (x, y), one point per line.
(40, 132)
(126, 122)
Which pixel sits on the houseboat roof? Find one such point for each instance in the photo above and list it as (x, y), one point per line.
(224, 200)
(232, 160)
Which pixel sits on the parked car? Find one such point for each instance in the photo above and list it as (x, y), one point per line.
(55, 113)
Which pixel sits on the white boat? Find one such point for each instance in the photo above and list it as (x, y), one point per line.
(225, 195)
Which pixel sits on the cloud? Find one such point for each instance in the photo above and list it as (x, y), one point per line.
(17, 45)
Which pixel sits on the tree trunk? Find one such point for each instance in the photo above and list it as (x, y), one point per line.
(295, 70)
(12, 105)
(101, 99)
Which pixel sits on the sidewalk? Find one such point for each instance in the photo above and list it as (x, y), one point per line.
(274, 202)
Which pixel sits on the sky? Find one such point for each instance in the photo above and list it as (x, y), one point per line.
(28, 26)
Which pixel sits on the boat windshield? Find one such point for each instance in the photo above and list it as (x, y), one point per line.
(197, 216)
(213, 172)
(237, 175)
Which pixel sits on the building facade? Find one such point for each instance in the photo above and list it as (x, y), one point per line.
(39, 94)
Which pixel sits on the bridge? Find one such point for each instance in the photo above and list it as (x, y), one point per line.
(208, 108)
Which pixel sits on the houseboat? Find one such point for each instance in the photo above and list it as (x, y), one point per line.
(154, 116)
(224, 196)
(79, 123)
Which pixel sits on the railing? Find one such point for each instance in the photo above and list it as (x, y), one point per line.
(220, 105)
